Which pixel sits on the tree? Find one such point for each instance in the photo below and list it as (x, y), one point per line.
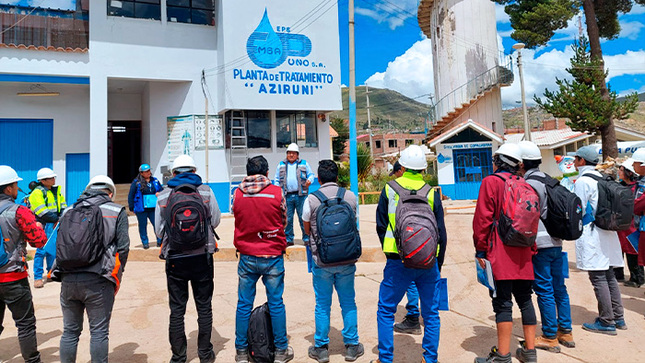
(364, 161)
(580, 99)
(338, 144)
(534, 22)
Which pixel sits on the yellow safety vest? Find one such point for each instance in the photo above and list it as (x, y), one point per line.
(42, 201)
(408, 181)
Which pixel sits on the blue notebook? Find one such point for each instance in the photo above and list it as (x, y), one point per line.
(50, 246)
(633, 239)
(149, 201)
(485, 276)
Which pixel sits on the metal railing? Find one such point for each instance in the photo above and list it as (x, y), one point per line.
(498, 75)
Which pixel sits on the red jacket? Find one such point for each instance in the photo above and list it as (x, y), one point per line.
(259, 222)
(509, 263)
(639, 210)
(625, 245)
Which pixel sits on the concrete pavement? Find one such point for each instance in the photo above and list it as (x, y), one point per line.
(139, 326)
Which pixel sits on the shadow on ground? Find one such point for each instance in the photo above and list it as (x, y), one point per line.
(10, 348)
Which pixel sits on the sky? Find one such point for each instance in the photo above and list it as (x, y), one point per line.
(393, 53)
(50, 4)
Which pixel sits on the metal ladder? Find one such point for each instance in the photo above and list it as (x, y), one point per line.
(238, 153)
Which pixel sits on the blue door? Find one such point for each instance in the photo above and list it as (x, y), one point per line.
(77, 175)
(26, 145)
(471, 166)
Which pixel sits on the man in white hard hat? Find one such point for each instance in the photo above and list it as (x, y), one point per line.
(294, 176)
(396, 276)
(18, 227)
(188, 253)
(47, 203)
(89, 263)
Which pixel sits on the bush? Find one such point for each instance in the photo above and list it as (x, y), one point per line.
(343, 174)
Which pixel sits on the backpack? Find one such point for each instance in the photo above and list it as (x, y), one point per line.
(187, 219)
(81, 238)
(564, 210)
(615, 204)
(4, 256)
(415, 231)
(338, 238)
(518, 219)
(261, 346)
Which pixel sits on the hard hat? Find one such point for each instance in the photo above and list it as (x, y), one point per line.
(45, 173)
(629, 165)
(8, 175)
(183, 163)
(413, 158)
(530, 151)
(144, 167)
(102, 182)
(293, 147)
(639, 155)
(509, 153)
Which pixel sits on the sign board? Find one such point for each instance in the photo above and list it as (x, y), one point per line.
(186, 134)
(216, 132)
(280, 55)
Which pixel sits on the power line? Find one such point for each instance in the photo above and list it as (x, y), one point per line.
(23, 18)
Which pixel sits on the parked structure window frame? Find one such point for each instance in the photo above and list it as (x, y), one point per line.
(191, 11)
(141, 9)
(377, 144)
(296, 127)
(392, 143)
(258, 129)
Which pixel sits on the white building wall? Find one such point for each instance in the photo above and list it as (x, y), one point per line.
(124, 106)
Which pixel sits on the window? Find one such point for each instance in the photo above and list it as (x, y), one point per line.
(298, 127)
(367, 144)
(191, 11)
(391, 143)
(377, 143)
(258, 129)
(409, 142)
(142, 9)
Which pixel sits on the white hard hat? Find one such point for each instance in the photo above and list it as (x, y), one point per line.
(413, 158)
(629, 165)
(293, 147)
(510, 150)
(184, 162)
(8, 175)
(102, 182)
(530, 151)
(45, 173)
(639, 155)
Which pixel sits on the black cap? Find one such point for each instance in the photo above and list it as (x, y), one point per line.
(395, 168)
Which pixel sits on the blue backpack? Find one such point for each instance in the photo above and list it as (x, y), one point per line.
(338, 238)
(4, 257)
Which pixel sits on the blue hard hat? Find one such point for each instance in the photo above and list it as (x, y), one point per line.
(144, 167)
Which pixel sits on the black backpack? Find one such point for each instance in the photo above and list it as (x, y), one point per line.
(615, 204)
(80, 241)
(338, 238)
(187, 219)
(416, 232)
(261, 346)
(564, 210)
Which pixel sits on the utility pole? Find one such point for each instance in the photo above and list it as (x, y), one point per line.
(207, 132)
(353, 159)
(527, 126)
(369, 122)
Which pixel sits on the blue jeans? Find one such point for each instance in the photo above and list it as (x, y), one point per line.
(41, 256)
(294, 204)
(552, 296)
(396, 280)
(324, 281)
(271, 270)
(142, 219)
(412, 306)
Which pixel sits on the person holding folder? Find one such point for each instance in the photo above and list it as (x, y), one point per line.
(142, 200)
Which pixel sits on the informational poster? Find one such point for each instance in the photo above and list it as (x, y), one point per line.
(215, 134)
(181, 136)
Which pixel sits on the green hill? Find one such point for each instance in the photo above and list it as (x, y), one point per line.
(389, 110)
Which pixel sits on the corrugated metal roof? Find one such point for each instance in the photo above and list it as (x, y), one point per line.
(547, 138)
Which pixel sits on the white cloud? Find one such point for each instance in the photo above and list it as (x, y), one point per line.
(410, 73)
(630, 29)
(631, 90)
(500, 15)
(637, 9)
(393, 13)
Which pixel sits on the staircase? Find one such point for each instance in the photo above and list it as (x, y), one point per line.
(238, 152)
(121, 196)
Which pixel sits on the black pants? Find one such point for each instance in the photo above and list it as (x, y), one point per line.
(16, 296)
(503, 305)
(198, 270)
(636, 273)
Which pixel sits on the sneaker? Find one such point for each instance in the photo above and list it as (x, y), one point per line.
(620, 324)
(566, 338)
(631, 283)
(39, 283)
(241, 356)
(548, 344)
(409, 325)
(352, 352)
(526, 355)
(289, 244)
(321, 354)
(146, 246)
(599, 327)
(494, 357)
(283, 355)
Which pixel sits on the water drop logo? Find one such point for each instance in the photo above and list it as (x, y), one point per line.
(268, 49)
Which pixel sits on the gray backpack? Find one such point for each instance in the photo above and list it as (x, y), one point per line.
(415, 232)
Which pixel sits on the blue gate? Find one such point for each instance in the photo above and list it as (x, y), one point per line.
(26, 145)
(77, 175)
(470, 167)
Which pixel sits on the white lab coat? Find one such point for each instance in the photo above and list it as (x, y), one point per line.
(597, 249)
